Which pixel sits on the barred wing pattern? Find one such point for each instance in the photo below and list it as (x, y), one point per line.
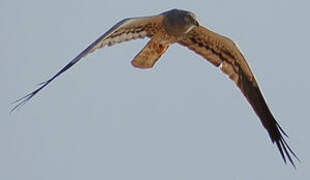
(125, 30)
(223, 53)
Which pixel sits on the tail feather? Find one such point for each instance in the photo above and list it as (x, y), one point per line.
(150, 54)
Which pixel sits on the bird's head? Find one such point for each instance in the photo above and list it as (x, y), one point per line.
(179, 22)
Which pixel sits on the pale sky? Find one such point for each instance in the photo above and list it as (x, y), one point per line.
(183, 119)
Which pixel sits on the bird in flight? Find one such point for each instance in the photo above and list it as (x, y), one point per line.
(182, 27)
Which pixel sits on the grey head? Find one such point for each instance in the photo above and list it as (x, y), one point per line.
(179, 22)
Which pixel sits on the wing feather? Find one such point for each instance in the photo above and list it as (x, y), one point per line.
(224, 53)
(127, 29)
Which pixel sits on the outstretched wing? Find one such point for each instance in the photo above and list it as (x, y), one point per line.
(127, 29)
(222, 52)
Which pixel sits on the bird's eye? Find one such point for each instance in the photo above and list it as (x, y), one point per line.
(187, 19)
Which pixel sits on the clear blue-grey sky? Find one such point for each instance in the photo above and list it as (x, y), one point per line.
(183, 119)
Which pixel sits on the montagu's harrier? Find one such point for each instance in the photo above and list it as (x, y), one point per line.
(182, 27)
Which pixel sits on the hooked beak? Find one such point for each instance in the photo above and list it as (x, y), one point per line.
(197, 23)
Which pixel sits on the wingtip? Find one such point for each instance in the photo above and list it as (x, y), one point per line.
(23, 100)
(286, 151)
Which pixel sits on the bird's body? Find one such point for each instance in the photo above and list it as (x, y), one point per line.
(182, 27)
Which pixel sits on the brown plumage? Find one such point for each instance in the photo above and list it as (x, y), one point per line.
(223, 52)
(179, 26)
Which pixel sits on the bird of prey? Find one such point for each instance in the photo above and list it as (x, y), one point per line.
(183, 27)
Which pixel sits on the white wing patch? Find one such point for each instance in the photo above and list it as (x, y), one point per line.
(124, 32)
(125, 37)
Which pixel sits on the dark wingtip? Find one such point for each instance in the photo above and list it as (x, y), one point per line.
(23, 100)
(284, 148)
